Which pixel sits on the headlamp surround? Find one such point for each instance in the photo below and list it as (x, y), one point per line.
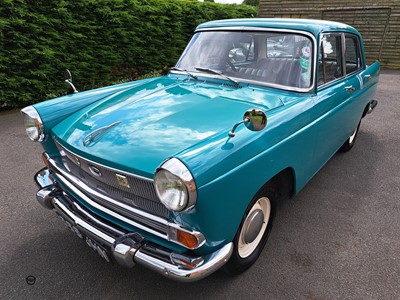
(33, 124)
(175, 186)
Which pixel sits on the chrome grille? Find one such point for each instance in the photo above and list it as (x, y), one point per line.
(133, 216)
(139, 192)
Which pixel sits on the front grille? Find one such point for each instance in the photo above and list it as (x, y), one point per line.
(138, 193)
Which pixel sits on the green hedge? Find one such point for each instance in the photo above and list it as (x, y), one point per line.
(100, 41)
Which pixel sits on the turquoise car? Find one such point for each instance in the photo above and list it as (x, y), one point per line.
(182, 173)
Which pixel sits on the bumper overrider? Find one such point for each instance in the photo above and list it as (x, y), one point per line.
(127, 248)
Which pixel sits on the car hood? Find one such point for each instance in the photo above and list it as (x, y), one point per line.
(138, 128)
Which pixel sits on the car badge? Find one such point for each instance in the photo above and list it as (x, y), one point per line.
(122, 180)
(96, 172)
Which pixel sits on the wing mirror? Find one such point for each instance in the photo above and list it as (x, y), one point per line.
(254, 119)
(69, 80)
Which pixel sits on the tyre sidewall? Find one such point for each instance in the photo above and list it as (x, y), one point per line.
(236, 263)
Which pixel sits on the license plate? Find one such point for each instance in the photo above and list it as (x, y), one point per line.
(92, 244)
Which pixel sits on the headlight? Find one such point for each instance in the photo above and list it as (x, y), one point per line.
(175, 186)
(33, 124)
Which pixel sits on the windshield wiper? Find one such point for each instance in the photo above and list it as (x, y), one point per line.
(208, 70)
(184, 71)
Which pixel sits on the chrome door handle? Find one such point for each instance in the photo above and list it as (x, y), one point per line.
(367, 77)
(349, 88)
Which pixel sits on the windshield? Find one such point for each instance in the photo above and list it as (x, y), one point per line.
(275, 58)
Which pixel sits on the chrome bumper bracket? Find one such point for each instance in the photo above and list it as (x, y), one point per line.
(125, 247)
(45, 196)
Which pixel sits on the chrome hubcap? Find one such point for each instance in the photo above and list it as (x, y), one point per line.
(254, 227)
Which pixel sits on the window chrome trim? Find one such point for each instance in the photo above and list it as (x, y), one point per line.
(72, 182)
(338, 33)
(265, 29)
(343, 54)
(327, 84)
(358, 50)
(343, 57)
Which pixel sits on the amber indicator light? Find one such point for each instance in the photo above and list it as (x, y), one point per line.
(187, 239)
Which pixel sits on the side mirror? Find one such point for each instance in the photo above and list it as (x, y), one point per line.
(254, 120)
(69, 80)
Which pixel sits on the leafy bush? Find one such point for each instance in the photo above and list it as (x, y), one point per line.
(100, 41)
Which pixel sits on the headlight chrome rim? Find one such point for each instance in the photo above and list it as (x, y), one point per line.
(178, 169)
(32, 120)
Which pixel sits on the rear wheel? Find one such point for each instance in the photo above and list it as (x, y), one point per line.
(253, 232)
(349, 143)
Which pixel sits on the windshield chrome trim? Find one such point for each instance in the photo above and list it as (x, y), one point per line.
(255, 82)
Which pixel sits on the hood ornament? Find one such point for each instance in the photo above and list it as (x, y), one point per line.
(95, 135)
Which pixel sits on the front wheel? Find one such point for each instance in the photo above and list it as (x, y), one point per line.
(349, 143)
(253, 233)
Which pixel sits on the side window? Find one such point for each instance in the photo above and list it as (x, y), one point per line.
(352, 54)
(330, 58)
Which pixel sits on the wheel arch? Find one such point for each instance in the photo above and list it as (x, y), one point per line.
(245, 253)
(241, 186)
(285, 182)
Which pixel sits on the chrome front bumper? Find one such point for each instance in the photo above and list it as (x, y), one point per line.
(127, 248)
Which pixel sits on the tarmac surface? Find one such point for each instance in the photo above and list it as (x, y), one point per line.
(339, 238)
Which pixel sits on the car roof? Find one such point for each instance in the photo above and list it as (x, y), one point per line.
(309, 25)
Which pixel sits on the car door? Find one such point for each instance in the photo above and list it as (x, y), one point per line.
(329, 110)
(337, 109)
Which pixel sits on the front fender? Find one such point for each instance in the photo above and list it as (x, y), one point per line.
(223, 200)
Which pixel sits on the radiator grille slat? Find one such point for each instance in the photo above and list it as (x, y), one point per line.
(139, 194)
